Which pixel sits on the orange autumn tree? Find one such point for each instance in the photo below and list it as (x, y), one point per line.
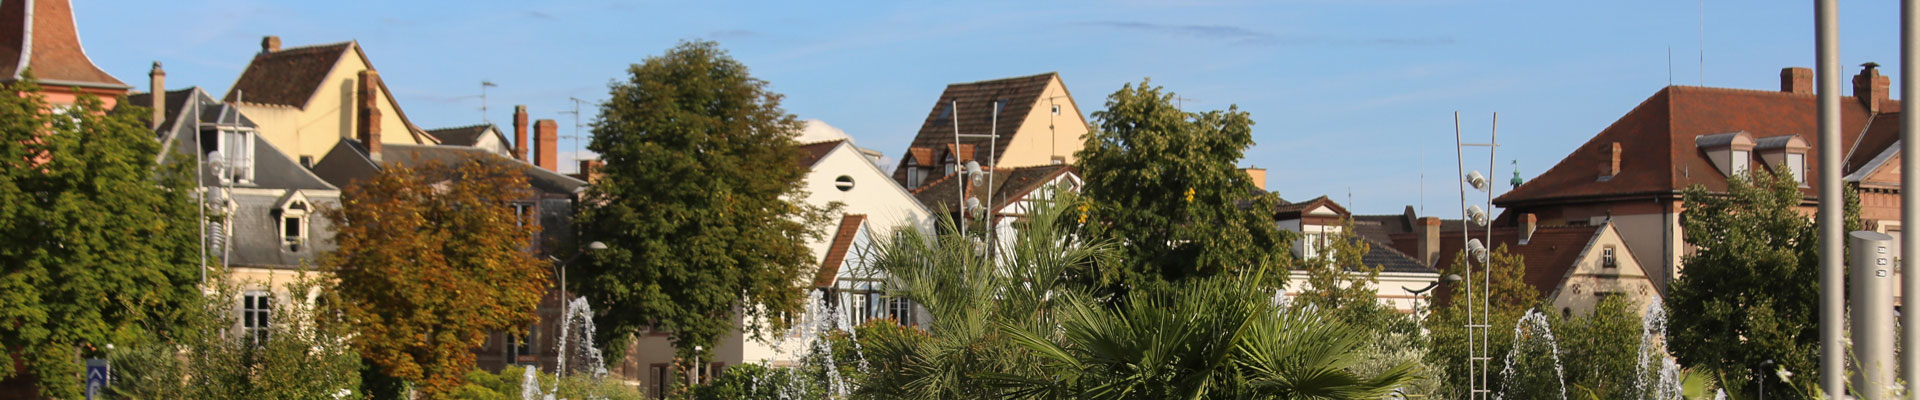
(430, 260)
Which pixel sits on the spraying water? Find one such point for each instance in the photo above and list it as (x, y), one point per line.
(579, 314)
(1532, 330)
(1662, 382)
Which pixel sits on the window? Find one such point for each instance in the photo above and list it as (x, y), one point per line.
(1741, 162)
(521, 346)
(293, 223)
(306, 161)
(233, 150)
(658, 384)
(522, 212)
(256, 309)
(861, 308)
(844, 183)
(951, 164)
(946, 111)
(1310, 245)
(901, 310)
(914, 174)
(1797, 163)
(1607, 259)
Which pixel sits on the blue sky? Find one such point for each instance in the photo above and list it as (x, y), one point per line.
(1348, 96)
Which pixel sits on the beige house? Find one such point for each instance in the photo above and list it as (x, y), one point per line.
(306, 99)
(1572, 267)
(1036, 119)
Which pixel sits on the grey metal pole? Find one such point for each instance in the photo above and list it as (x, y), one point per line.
(1833, 359)
(1872, 276)
(1909, 198)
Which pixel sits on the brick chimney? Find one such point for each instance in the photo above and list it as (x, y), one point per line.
(1870, 87)
(269, 44)
(589, 170)
(520, 132)
(1429, 244)
(1609, 164)
(1258, 176)
(369, 110)
(157, 81)
(1796, 80)
(546, 132)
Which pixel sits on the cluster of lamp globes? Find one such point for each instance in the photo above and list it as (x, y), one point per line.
(1477, 215)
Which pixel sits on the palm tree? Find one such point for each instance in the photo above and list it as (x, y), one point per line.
(1022, 327)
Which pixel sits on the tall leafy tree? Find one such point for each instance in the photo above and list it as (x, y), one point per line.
(1163, 182)
(430, 260)
(98, 244)
(698, 204)
(1751, 287)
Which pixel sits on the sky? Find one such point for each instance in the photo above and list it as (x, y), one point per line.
(1352, 99)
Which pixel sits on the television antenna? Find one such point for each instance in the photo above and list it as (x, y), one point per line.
(484, 84)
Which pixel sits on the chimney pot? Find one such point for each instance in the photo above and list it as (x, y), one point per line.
(1796, 80)
(520, 132)
(546, 132)
(1870, 87)
(270, 44)
(157, 80)
(1429, 243)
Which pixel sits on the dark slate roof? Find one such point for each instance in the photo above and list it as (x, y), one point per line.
(50, 45)
(1380, 228)
(348, 161)
(1008, 183)
(975, 115)
(1549, 254)
(467, 135)
(288, 77)
(1391, 260)
(271, 168)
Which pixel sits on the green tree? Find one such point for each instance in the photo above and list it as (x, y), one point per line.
(304, 354)
(1606, 345)
(1164, 183)
(1340, 282)
(698, 204)
(98, 243)
(429, 261)
(1751, 288)
(1510, 300)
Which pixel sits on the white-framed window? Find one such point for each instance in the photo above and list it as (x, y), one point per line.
(1740, 161)
(233, 149)
(901, 310)
(951, 164)
(860, 307)
(1797, 163)
(1311, 244)
(1607, 259)
(256, 311)
(914, 174)
(293, 224)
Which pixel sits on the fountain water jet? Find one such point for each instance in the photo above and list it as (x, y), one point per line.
(1534, 322)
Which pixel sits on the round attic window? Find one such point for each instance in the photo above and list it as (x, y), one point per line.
(844, 183)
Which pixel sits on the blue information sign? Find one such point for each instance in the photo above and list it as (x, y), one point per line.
(97, 375)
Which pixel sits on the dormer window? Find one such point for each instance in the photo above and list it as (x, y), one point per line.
(294, 215)
(1784, 154)
(1731, 153)
(914, 173)
(233, 150)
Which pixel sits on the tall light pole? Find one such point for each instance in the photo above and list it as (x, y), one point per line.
(1479, 353)
(1909, 193)
(1833, 361)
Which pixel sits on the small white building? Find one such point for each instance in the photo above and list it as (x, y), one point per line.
(1402, 277)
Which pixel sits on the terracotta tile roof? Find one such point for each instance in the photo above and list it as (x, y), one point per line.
(817, 150)
(463, 135)
(288, 77)
(1009, 184)
(837, 252)
(920, 155)
(975, 114)
(1658, 142)
(53, 51)
(1549, 254)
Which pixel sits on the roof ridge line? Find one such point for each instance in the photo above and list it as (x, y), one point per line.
(310, 47)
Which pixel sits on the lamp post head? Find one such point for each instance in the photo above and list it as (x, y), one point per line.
(596, 245)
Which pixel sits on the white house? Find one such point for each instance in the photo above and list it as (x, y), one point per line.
(1402, 277)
